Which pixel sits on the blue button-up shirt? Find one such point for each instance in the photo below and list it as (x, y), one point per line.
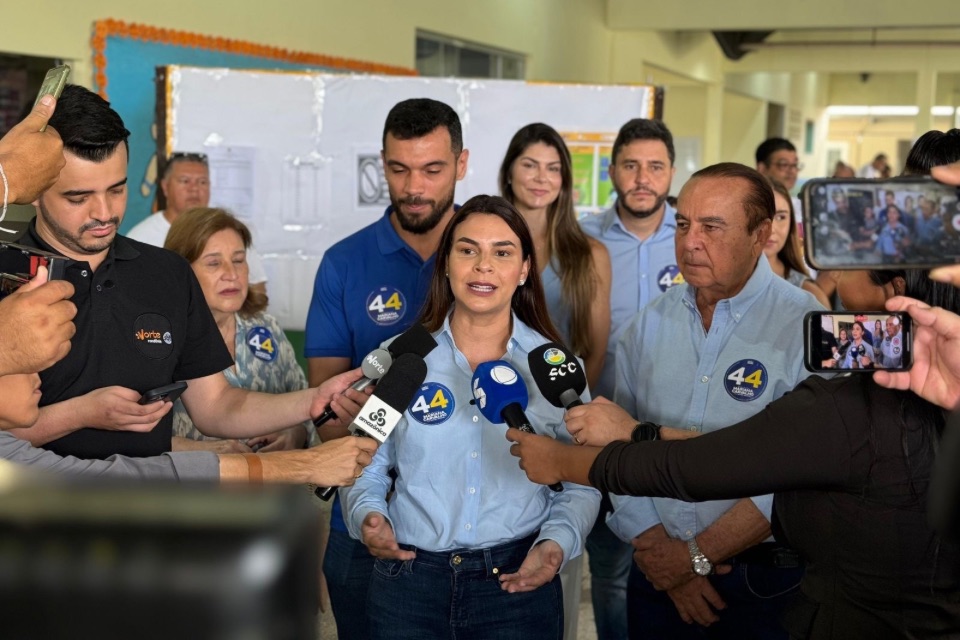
(457, 485)
(670, 371)
(642, 270)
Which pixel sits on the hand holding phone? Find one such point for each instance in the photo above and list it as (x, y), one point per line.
(53, 84)
(895, 223)
(167, 393)
(857, 341)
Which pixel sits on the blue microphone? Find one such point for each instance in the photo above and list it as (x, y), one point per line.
(501, 395)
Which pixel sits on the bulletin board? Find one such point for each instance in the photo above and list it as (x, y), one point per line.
(296, 155)
(125, 56)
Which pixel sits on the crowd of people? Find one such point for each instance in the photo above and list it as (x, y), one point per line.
(718, 489)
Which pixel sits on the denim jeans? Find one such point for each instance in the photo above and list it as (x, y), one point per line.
(347, 566)
(610, 562)
(457, 595)
(756, 596)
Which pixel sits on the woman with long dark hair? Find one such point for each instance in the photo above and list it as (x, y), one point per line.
(466, 542)
(783, 247)
(537, 178)
(849, 463)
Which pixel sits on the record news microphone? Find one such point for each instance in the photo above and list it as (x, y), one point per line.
(416, 340)
(558, 375)
(501, 395)
(383, 410)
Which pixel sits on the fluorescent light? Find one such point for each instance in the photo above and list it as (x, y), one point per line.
(842, 110)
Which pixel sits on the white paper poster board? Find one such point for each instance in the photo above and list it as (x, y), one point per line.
(310, 143)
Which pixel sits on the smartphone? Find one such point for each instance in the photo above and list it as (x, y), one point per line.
(19, 265)
(857, 341)
(897, 223)
(53, 84)
(168, 392)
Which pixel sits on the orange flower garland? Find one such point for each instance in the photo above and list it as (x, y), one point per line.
(105, 28)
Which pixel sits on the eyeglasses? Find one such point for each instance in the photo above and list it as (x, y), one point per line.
(189, 156)
(783, 165)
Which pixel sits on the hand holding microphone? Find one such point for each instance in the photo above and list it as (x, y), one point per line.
(501, 396)
(561, 380)
(383, 411)
(416, 340)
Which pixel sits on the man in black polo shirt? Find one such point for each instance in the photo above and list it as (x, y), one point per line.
(142, 321)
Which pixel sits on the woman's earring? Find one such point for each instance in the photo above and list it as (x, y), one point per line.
(521, 282)
(447, 274)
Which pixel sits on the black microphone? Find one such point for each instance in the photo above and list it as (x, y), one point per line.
(382, 411)
(558, 375)
(501, 396)
(416, 340)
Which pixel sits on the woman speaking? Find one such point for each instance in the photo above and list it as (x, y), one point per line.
(466, 545)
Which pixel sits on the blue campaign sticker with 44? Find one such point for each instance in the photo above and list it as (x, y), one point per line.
(745, 380)
(433, 404)
(261, 344)
(669, 277)
(386, 306)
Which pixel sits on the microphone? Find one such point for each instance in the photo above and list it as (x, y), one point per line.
(501, 395)
(382, 411)
(558, 375)
(416, 340)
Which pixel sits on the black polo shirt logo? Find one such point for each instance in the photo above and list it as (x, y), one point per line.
(151, 334)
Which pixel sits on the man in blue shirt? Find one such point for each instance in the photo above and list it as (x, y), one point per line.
(638, 233)
(370, 286)
(704, 356)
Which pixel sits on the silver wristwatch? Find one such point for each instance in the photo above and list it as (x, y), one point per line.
(701, 565)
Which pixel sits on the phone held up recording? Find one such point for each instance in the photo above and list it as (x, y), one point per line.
(898, 223)
(19, 265)
(857, 341)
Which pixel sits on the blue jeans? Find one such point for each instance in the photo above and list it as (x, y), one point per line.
(610, 561)
(457, 595)
(347, 566)
(756, 596)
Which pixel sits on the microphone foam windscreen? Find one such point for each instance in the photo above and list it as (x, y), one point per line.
(416, 340)
(383, 410)
(495, 385)
(555, 370)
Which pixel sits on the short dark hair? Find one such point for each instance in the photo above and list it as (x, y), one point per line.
(932, 149)
(89, 127)
(416, 117)
(643, 129)
(758, 203)
(770, 146)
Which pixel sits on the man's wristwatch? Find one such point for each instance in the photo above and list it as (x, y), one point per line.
(701, 565)
(645, 431)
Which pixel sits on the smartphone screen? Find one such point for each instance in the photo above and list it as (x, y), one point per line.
(857, 341)
(18, 265)
(880, 224)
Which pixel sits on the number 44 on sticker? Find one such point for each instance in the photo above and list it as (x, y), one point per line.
(439, 402)
(755, 378)
(378, 305)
